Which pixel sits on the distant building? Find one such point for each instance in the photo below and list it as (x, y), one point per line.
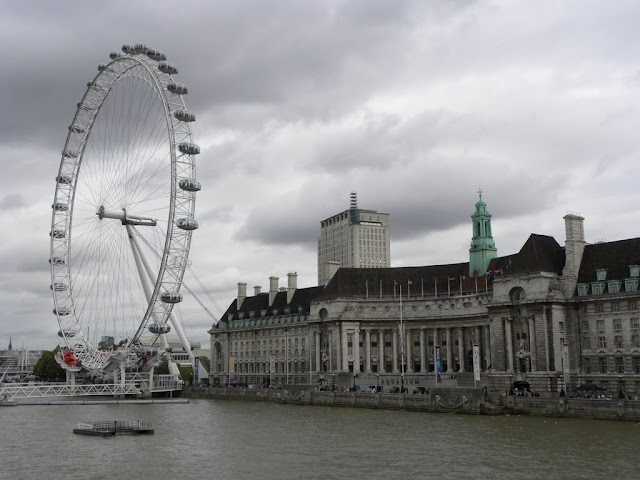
(548, 317)
(354, 238)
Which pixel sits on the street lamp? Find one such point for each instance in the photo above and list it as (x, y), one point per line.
(402, 383)
(354, 382)
(377, 382)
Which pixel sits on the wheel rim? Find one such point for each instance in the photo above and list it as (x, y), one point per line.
(120, 169)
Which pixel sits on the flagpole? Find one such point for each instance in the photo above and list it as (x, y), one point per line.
(366, 283)
(435, 282)
(460, 284)
(476, 278)
(422, 287)
(408, 289)
(401, 345)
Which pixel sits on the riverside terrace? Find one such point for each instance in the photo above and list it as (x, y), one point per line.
(474, 401)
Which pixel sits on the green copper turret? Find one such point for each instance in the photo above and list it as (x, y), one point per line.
(483, 248)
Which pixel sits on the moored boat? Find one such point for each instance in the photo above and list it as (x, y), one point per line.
(114, 427)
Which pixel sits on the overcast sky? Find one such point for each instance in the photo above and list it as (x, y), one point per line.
(413, 104)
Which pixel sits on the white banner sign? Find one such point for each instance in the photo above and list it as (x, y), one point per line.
(476, 363)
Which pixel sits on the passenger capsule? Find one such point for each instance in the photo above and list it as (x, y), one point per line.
(114, 55)
(189, 148)
(96, 86)
(70, 154)
(59, 206)
(187, 224)
(102, 67)
(184, 115)
(57, 261)
(59, 233)
(177, 88)
(58, 287)
(190, 185)
(159, 328)
(128, 49)
(62, 311)
(171, 297)
(64, 179)
(76, 129)
(67, 333)
(166, 67)
(147, 352)
(141, 48)
(156, 55)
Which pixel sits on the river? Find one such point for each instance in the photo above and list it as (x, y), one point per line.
(221, 439)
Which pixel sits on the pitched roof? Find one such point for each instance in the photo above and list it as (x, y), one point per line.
(540, 253)
(302, 297)
(614, 256)
(375, 282)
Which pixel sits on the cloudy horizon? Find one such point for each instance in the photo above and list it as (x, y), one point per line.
(414, 105)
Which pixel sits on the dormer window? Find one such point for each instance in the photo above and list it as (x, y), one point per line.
(263, 313)
(287, 310)
(634, 271)
(597, 288)
(251, 313)
(601, 274)
(240, 315)
(230, 316)
(631, 284)
(583, 289)
(614, 286)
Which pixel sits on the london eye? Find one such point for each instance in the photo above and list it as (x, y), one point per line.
(123, 215)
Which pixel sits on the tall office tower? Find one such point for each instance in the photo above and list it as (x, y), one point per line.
(353, 238)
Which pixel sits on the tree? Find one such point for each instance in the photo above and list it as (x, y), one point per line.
(47, 369)
(204, 360)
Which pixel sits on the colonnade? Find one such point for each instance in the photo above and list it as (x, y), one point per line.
(345, 339)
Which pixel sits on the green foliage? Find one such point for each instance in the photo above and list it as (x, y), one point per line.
(162, 368)
(205, 363)
(186, 373)
(47, 369)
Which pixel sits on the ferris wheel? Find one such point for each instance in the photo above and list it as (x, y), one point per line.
(123, 214)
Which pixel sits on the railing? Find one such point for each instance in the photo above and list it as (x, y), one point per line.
(34, 390)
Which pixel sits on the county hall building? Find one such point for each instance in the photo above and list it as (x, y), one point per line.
(550, 317)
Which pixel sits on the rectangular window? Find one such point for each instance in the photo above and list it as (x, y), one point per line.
(602, 342)
(583, 288)
(600, 325)
(604, 385)
(561, 326)
(584, 308)
(618, 341)
(617, 324)
(635, 341)
(596, 288)
(587, 365)
(585, 325)
(636, 367)
(603, 365)
(615, 307)
(633, 305)
(620, 364)
(586, 343)
(599, 307)
(635, 323)
(614, 286)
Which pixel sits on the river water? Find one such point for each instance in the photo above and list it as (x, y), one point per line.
(221, 439)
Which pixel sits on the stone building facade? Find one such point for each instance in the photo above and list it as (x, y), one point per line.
(548, 317)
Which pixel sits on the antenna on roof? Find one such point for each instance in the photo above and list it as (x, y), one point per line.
(353, 200)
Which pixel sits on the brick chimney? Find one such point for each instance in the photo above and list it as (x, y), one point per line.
(273, 289)
(292, 285)
(257, 290)
(242, 293)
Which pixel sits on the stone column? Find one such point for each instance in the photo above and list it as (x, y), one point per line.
(330, 352)
(407, 342)
(367, 351)
(461, 348)
(509, 341)
(423, 359)
(449, 352)
(356, 351)
(343, 350)
(435, 342)
(318, 352)
(487, 347)
(532, 343)
(381, 351)
(394, 343)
